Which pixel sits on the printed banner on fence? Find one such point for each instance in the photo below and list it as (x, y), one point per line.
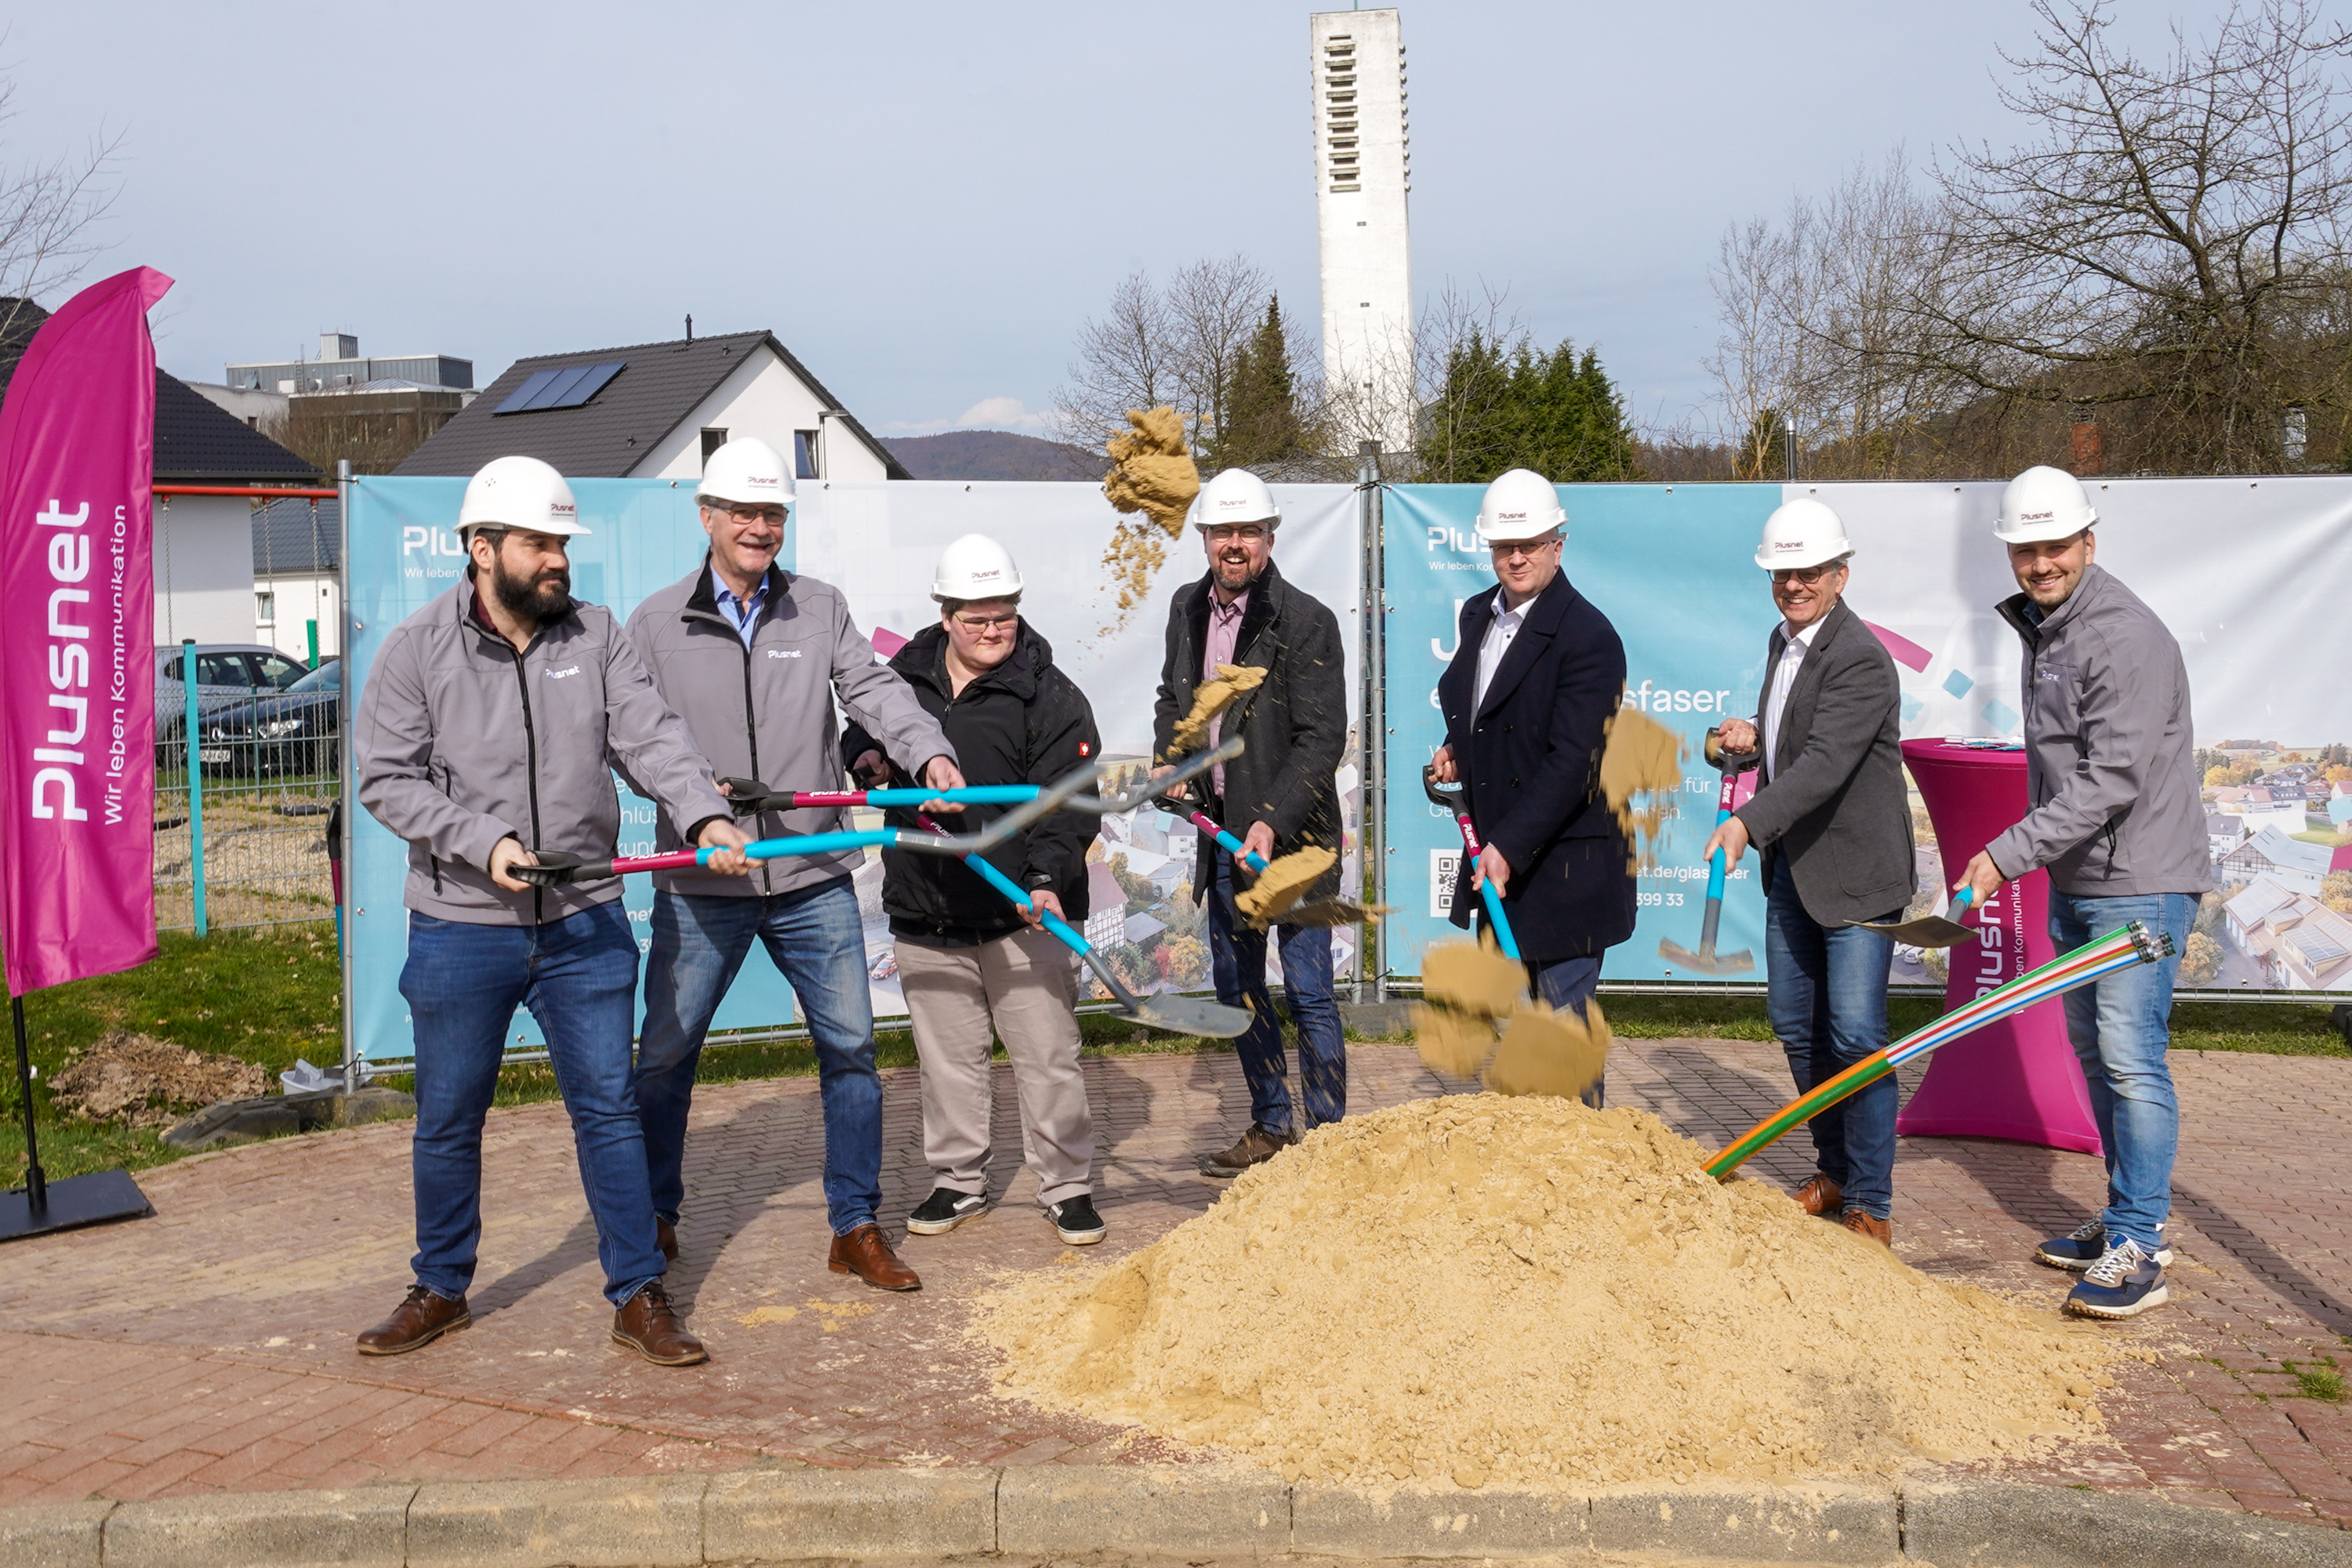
(878, 544)
(77, 665)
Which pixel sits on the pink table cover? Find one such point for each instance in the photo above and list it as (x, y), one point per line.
(2017, 1078)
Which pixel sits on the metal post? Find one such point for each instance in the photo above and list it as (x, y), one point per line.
(343, 489)
(196, 780)
(311, 626)
(1789, 447)
(1371, 958)
(37, 1184)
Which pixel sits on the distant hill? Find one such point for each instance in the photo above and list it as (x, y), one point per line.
(994, 455)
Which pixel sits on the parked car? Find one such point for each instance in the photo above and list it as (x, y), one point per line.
(294, 733)
(225, 673)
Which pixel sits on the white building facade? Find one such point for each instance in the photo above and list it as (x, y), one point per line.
(1364, 175)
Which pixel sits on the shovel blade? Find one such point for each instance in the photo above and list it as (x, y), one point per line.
(1928, 931)
(1190, 1016)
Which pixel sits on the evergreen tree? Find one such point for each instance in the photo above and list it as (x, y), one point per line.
(1517, 408)
(1261, 414)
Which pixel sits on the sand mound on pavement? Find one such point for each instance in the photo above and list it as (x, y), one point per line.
(1528, 1292)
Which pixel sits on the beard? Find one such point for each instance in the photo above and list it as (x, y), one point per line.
(546, 598)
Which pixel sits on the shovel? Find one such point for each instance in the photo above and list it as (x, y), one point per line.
(1322, 912)
(1707, 961)
(1449, 797)
(1929, 931)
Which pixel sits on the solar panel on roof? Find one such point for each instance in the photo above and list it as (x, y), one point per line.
(566, 387)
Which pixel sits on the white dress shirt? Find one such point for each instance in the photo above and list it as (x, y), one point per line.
(1784, 677)
(1497, 642)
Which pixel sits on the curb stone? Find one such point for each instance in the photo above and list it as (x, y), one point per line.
(1174, 1513)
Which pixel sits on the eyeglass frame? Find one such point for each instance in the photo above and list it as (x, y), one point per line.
(1807, 575)
(1009, 619)
(749, 511)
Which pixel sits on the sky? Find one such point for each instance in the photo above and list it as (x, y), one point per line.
(924, 202)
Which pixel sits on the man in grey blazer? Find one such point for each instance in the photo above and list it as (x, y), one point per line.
(1833, 827)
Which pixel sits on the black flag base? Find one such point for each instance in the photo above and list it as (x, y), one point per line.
(70, 1203)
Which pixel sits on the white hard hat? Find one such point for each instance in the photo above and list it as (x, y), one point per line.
(519, 492)
(748, 470)
(975, 567)
(1235, 496)
(1519, 505)
(2043, 502)
(1802, 533)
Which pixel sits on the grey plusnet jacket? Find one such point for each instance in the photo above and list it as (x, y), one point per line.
(1836, 805)
(460, 742)
(2110, 762)
(766, 712)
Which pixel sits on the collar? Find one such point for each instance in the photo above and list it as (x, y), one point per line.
(720, 590)
(775, 585)
(1224, 611)
(1805, 637)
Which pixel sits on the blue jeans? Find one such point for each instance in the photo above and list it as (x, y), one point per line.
(1825, 991)
(818, 943)
(1561, 984)
(1237, 963)
(2121, 1028)
(578, 977)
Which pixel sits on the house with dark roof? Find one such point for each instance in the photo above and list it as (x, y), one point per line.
(203, 544)
(297, 576)
(657, 411)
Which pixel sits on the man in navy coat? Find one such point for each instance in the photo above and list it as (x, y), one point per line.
(1536, 673)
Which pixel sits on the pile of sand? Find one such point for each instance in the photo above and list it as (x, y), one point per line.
(139, 1081)
(1528, 1292)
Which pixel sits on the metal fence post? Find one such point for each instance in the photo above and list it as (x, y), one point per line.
(1373, 652)
(354, 1069)
(196, 780)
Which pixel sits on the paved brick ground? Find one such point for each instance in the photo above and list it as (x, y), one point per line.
(209, 1348)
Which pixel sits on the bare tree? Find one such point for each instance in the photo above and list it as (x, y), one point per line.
(1177, 345)
(1454, 329)
(48, 211)
(1214, 306)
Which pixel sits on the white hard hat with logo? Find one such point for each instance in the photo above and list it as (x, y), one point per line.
(975, 567)
(1802, 533)
(749, 471)
(1235, 496)
(1519, 506)
(2041, 503)
(519, 492)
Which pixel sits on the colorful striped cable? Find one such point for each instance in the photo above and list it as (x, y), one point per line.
(2118, 950)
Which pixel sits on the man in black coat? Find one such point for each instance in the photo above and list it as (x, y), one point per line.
(1833, 825)
(1278, 797)
(1538, 672)
(971, 964)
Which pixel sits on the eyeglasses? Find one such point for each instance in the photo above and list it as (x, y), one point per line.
(1236, 534)
(986, 622)
(749, 512)
(1808, 576)
(1530, 548)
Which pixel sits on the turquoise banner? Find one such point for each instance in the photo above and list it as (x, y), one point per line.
(1673, 568)
(403, 551)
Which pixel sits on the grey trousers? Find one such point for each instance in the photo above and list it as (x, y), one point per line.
(1024, 989)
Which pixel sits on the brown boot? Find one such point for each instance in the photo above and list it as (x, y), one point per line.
(1255, 1147)
(648, 1325)
(666, 1237)
(867, 1254)
(1881, 1231)
(416, 1323)
(1820, 1196)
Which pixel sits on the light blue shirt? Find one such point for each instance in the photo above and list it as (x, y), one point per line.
(744, 616)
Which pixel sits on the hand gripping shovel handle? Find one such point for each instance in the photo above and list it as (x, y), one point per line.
(1453, 802)
(1232, 846)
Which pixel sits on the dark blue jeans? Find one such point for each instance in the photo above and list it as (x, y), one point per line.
(1568, 983)
(1237, 963)
(1825, 991)
(578, 977)
(2121, 1028)
(817, 941)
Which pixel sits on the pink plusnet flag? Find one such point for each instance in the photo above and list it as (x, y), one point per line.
(76, 644)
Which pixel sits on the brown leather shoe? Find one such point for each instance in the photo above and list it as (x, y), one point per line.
(1255, 1147)
(1820, 1196)
(666, 1237)
(416, 1322)
(866, 1252)
(1881, 1231)
(648, 1325)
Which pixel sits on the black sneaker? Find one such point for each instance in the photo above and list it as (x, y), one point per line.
(1076, 1222)
(944, 1210)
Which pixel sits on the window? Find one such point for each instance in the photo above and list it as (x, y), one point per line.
(265, 608)
(566, 387)
(713, 437)
(221, 669)
(276, 671)
(806, 447)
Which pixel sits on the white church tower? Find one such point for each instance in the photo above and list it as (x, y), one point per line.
(1362, 171)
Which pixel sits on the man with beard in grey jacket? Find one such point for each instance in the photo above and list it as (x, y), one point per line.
(753, 656)
(487, 731)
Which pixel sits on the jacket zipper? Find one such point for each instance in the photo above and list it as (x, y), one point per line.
(750, 722)
(530, 757)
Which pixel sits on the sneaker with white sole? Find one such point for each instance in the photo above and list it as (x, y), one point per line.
(944, 1210)
(1076, 1222)
(2124, 1283)
(2085, 1246)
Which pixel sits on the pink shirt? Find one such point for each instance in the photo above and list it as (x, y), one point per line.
(1224, 632)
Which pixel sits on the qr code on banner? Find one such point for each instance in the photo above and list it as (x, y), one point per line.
(1444, 865)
